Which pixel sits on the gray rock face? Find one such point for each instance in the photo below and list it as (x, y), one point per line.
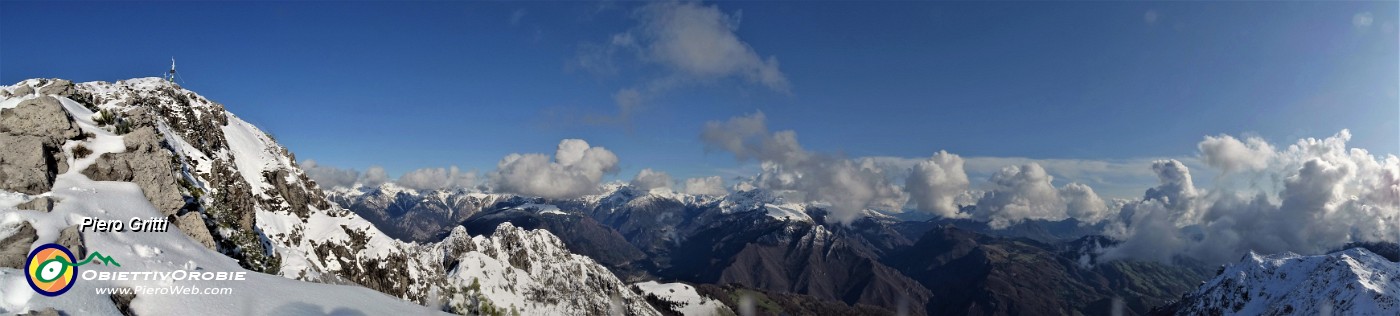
(147, 163)
(32, 135)
(72, 239)
(29, 165)
(42, 204)
(42, 116)
(24, 90)
(61, 87)
(15, 247)
(123, 301)
(193, 226)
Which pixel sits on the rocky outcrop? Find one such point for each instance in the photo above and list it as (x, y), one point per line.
(297, 196)
(43, 116)
(59, 87)
(23, 90)
(15, 247)
(43, 312)
(147, 163)
(42, 204)
(194, 226)
(28, 165)
(32, 134)
(123, 300)
(72, 239)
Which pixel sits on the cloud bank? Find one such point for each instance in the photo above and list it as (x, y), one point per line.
(1323, 196)
(438, 178)
(576, 170)
(329, 177)
(1025, 192)
(1119, 178)
(848, 187)
(712, 185)
(422, 179)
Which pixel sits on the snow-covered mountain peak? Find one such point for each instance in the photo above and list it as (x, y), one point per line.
(515, 269)
(1348, 282)
(742, 201)
(389, 188)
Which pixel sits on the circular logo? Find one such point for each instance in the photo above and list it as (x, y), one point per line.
(50, 269)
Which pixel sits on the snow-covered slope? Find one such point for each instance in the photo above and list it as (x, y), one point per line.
(520, 270)
(238, 200)
(682, 298)
(1349, 282)
(259, 294)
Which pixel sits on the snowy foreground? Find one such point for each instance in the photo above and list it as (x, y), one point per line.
(162, 252)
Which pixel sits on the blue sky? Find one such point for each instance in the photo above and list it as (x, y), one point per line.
(407, 85)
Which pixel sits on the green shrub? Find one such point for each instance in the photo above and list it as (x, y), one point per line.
(104, 117)
(123, 127)
(81, 151)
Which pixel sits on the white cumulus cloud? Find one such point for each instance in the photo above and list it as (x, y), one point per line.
(934, 184)
(1230, 154)
(1026, 192)
(1324, 195)
(649, 179)
(374, 176)
(576, 169)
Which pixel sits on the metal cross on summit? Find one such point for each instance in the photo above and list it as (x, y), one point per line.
(171, 75)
